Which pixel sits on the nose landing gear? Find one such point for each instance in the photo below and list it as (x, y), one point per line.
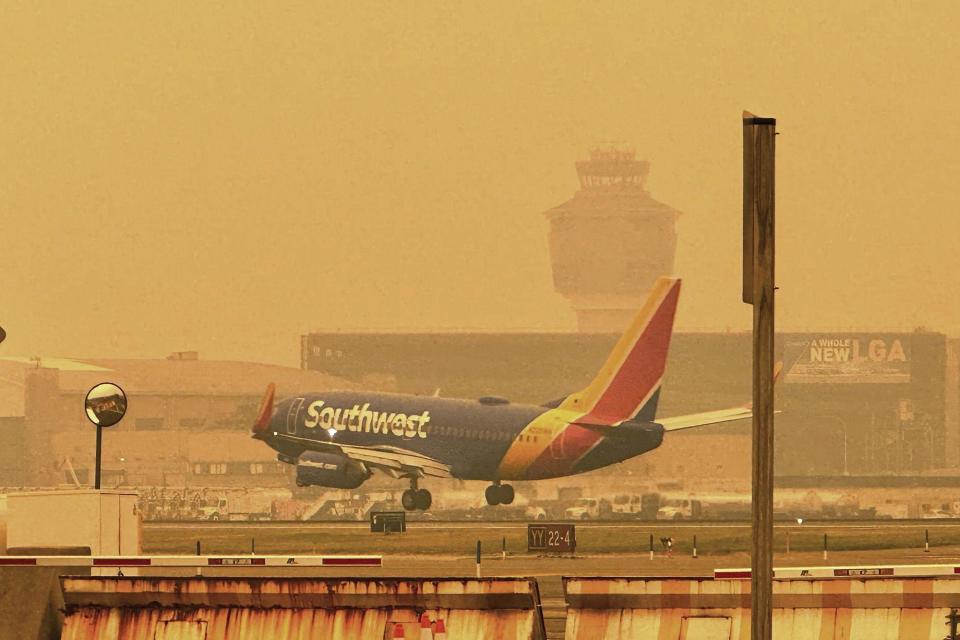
(499, 494)
(415, 498)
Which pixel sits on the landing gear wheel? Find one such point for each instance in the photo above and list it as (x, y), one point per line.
(409, 500)
(423, 499)
(506, 494)
(493, 495)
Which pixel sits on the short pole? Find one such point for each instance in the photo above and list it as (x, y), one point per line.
(926, 540)
(651, 546)
(96, 481)
(253, 547)
(478, 558)
(694, 546)
(952, 620)
(199, 571)
(824, 546)
(503, 548)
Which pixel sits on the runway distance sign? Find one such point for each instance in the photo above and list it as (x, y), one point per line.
(551, 538)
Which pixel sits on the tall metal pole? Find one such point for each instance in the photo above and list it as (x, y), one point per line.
(758, 289)
(96, 482)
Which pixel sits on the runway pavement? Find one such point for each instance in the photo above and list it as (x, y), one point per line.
(615, 539)
(492, 565)
(214, 525)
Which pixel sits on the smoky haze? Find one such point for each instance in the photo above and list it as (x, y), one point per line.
(223, 178)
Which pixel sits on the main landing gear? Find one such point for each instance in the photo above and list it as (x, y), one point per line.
(499, 494)
(415, 498)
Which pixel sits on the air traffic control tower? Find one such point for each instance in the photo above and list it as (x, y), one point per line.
(611, 241)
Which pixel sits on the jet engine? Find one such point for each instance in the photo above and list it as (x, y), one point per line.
(330, 470)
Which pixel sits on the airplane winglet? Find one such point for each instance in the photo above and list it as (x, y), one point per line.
(265, 412)
(777, 370)
(715, 417)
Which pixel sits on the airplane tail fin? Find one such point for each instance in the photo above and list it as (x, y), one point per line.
(265, 412)
(628, 385)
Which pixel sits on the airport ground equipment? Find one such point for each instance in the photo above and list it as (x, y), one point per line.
(388, 522)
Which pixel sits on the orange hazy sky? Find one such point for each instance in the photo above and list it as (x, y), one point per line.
(226, 176)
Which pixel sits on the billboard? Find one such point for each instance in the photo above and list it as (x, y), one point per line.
(856, 358)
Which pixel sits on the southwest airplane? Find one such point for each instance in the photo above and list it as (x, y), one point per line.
(337, 439)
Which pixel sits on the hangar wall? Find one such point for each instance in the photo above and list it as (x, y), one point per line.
(855, 403)
(187, 423)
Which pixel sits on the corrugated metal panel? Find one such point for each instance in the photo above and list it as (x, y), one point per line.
(874, 608)
(252, 608)
(236, 623)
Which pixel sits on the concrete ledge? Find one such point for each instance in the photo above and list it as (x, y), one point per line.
(31, 604)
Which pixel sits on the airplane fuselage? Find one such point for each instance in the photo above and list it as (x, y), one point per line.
(480, 440)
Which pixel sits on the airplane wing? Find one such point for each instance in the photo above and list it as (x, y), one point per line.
(715, 417)
(400, 461)
(392, 460)
(707, 417)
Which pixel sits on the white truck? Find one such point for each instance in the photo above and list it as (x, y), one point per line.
(679, 509)
(583, 509)
(626, 506)
(250, 505)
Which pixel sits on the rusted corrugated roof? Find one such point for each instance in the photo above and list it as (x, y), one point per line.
(236, 623)
(294, 608)
(831, 609)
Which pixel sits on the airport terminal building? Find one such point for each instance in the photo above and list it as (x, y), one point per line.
(187, 423)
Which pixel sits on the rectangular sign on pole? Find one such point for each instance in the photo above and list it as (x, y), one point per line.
(551, 538)
(753, 172)
(749, 170)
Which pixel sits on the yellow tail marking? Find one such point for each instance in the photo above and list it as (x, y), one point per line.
(533, 440)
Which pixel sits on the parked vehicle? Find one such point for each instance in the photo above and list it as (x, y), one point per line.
(626, 506)
(584, 509)
(679, 509)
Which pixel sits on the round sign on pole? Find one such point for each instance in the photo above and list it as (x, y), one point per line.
(106, 404)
